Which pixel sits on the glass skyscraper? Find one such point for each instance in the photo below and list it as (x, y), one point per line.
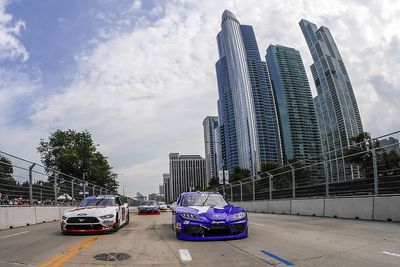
(210, 123)
(336, 107)
(298, 121)
(248, 119)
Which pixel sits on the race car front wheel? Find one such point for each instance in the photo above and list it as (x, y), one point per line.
(116, 225)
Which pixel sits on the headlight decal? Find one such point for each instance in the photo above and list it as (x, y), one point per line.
(239, 216)
(108, 216)
(189, 216)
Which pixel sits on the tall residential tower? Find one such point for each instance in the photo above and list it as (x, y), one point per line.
(336, 107)
(248, 120)
(210, 124)
(298, 122)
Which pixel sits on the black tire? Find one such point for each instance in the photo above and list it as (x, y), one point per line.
(116, 226)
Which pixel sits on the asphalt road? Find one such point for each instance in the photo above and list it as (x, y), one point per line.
(274, 240)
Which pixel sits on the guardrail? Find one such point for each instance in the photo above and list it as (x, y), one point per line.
(367, 168)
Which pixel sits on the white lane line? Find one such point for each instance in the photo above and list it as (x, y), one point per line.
(262, 225)
(14, 234)
(185, 255)
(391, 253)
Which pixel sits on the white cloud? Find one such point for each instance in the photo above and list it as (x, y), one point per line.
(144, 89)
(10, 46)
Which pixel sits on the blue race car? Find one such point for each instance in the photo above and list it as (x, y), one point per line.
(207, 216)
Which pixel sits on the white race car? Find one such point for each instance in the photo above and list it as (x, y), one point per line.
(163, 206)
(96, 214)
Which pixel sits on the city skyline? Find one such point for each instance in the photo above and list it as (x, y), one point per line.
(99, 79)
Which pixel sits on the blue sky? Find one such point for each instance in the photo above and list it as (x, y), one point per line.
(140, 75)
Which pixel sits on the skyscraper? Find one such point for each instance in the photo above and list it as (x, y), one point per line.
(336, 107)
(248, 120)
(297, 118)
(187, 173)
(210, 123)
(167, 187)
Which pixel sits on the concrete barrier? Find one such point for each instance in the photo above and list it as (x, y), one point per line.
(16, 216)
(368, 208)
(279, 206)
(22, 216)
(47, 214)
(387, 208)
(311, 207)
(261, 206)
(353, 208)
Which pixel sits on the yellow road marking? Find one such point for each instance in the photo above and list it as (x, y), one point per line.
(61, 258)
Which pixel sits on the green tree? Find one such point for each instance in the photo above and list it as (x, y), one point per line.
(6, 170)
(360, 154)
(75, 153)
(8, 185)
(389, 163)
(239, 174)
(213, 182)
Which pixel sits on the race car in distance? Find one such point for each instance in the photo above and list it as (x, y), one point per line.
(163, 206)
(207, 216)
(149, 207)
(96, 214)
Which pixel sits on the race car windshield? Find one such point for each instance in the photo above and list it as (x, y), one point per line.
(203, 200)
(148, 203)
(97, 202)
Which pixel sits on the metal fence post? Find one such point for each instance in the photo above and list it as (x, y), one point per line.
(30, 184)
(231, 192)
(94, 193)
(293, 181)
(375, 166)
(326, 177)
(101, 188)
(241, 191)
(270, 185)
(254, 190)
(55, 190)
(72, 188)
(223, 191)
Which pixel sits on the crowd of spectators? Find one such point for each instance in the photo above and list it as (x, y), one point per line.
(5, 200)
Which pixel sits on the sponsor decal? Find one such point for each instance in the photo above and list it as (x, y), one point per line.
(217, 222)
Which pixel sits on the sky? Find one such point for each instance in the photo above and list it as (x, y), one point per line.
(140, 75)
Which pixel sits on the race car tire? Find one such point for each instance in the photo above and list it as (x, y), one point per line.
(116, 226)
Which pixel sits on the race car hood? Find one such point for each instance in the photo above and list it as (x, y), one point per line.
(93, 211)
(211, 213)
